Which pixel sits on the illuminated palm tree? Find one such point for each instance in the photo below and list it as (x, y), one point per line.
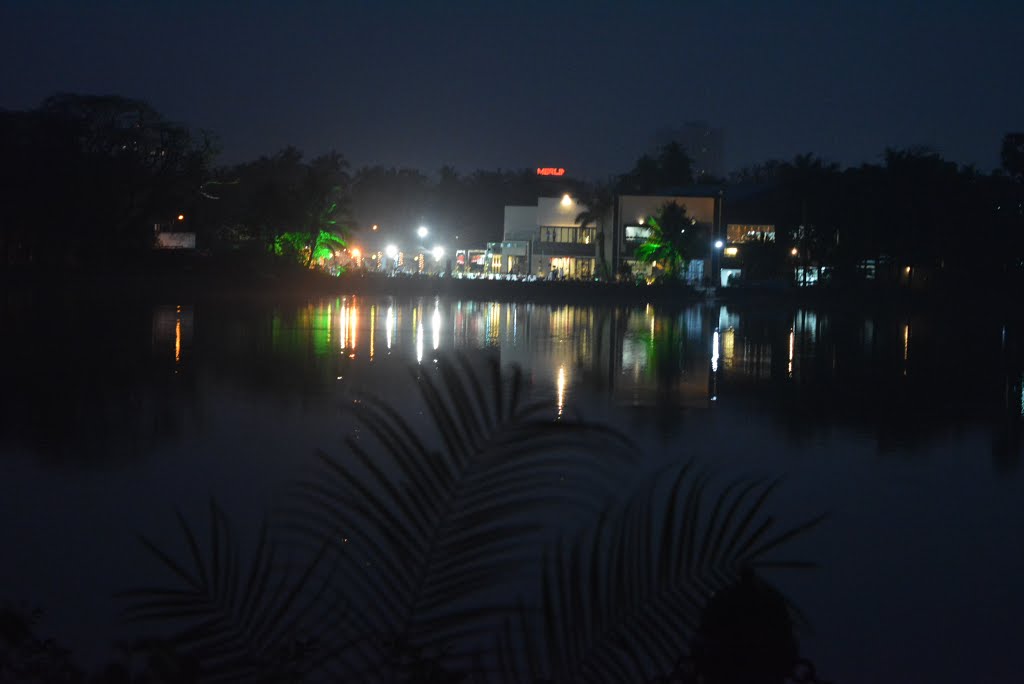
(673, 240)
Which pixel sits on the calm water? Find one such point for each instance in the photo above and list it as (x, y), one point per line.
(905, 429)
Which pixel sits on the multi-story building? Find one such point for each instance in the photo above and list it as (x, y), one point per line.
(546, 240)
(630, 229)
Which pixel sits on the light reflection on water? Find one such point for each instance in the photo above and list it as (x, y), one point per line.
(815, 394)
(645, 356)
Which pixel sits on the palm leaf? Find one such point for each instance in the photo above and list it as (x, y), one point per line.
(621, 602)
(434, 520)
(256, 623)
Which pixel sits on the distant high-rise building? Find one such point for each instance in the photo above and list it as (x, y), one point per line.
(704, 144)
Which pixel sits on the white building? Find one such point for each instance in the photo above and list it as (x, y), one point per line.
(545, 240)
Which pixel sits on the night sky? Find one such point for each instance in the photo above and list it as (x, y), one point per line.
(583, 85)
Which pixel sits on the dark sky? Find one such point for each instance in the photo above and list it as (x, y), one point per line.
(583, 85)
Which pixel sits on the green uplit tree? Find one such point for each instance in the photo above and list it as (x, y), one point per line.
(675, 238)
(294, 208)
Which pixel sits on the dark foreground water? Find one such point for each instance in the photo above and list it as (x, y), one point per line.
(904, 429)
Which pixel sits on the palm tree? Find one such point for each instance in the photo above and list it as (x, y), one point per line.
(600, 203)
(674, 240)
(411, 545)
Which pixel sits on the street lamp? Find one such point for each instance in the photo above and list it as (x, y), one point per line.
(422, 231)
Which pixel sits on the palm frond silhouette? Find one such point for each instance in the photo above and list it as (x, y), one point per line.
(428, 532)
(622, 601)
(418, 536)
(262, 621)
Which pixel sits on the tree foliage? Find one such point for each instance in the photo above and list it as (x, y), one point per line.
(87, 176)
(282, 203)
(411, 547)
(669, 171)
(674, 239)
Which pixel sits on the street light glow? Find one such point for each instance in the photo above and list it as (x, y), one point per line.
(375, 226)
(566, 200)
(181, 217)
(438, 252)
(719, 244)
(422, 231)
(391, 251)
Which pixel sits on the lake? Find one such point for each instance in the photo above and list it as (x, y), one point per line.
(904, 428)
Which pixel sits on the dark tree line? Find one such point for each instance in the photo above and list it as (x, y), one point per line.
(914, 214)
(84, 179)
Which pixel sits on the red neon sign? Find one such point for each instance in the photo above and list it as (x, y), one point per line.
(550, 171)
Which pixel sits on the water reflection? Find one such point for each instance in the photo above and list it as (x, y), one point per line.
(809, 370)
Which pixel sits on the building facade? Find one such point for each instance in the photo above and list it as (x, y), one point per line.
(545, 240)
(630, 230)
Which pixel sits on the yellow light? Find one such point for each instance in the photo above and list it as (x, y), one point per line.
(793, 251)
(181, 217)
(373, 329)
(417, 324)
(375, 226)
(356, 253)
(640, 220)
(731, 251)
(561, 390)
(908, 269)
(566, 200)
(177, 341)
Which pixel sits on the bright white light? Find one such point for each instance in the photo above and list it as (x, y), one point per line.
(389, 324)
(719, 244)
(391, 251)
(422, 231)
(435, 327)
(419, 340)
(438, 252)
(792, 343)
(714, 352)
(566, 200)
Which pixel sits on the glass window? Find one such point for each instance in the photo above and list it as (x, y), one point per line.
(637, 233)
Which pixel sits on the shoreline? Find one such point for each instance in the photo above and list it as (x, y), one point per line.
(233, 284)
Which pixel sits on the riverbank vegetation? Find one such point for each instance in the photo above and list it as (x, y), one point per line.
(88, 182)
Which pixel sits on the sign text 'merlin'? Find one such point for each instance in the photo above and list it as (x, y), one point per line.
(550, 171)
